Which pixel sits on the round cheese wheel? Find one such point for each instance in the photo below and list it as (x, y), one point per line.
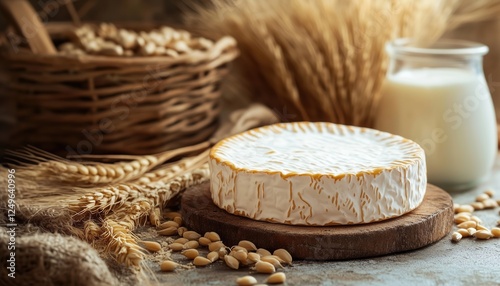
(317, 174)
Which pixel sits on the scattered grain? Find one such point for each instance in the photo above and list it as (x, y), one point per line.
(246, 281)
(456, 237)
(215, 245)
(232, 262)
(275, 262)
(201, 261)
(483, 234)
(178, 220)
(481, 227)
(191, 235)
(477, 206)
(204, 241)
(169, 231)
(490, 204)
(222, 252)
(176, 246)
(459, 218)
(495, 231)
(181, 230)
(476, 219)
(168, 266)
(482, 197)
(191, 244)
(284, 255)
(151, 245)
(468, 224)
(248, 245)
(213, 256)
(465, 208)
(253, 257)
(263, 252)
(236, 248)
(171, 215)
(264, 267)
(276, 278)
(463, 232)
(181, 240)
(190, 253)
(240, 255)
(277, 258)
(490, 193)
(168, 224)
(471, 231)
(213, 236)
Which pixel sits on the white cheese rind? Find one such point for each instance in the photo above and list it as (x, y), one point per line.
(384, 180)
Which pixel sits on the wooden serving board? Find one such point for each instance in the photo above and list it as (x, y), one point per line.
(430, 222)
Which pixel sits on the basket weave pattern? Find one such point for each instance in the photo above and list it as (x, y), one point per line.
(136, 105)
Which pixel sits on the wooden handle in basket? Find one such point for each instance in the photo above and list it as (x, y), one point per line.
(28, 24)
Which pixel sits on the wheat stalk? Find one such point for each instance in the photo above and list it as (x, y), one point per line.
(169, 171)
(42, 165)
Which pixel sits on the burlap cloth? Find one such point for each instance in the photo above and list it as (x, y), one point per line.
(45, 255)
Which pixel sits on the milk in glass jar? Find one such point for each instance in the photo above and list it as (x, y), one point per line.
(438, 97)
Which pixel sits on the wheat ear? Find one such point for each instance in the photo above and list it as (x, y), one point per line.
(91, 231)
(121, 243)
(169, 171)
(46, 166)
(103, 200)
(110, 199)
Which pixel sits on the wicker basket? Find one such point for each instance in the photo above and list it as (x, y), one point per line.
(99, 104)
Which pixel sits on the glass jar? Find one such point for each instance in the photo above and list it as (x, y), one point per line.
(438, 97)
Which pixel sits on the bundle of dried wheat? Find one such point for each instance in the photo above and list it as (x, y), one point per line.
(324, 60)
(107, 216)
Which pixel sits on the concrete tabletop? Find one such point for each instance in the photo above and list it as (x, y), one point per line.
(469, 262)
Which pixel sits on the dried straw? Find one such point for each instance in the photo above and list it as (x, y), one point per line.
(324, 60)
